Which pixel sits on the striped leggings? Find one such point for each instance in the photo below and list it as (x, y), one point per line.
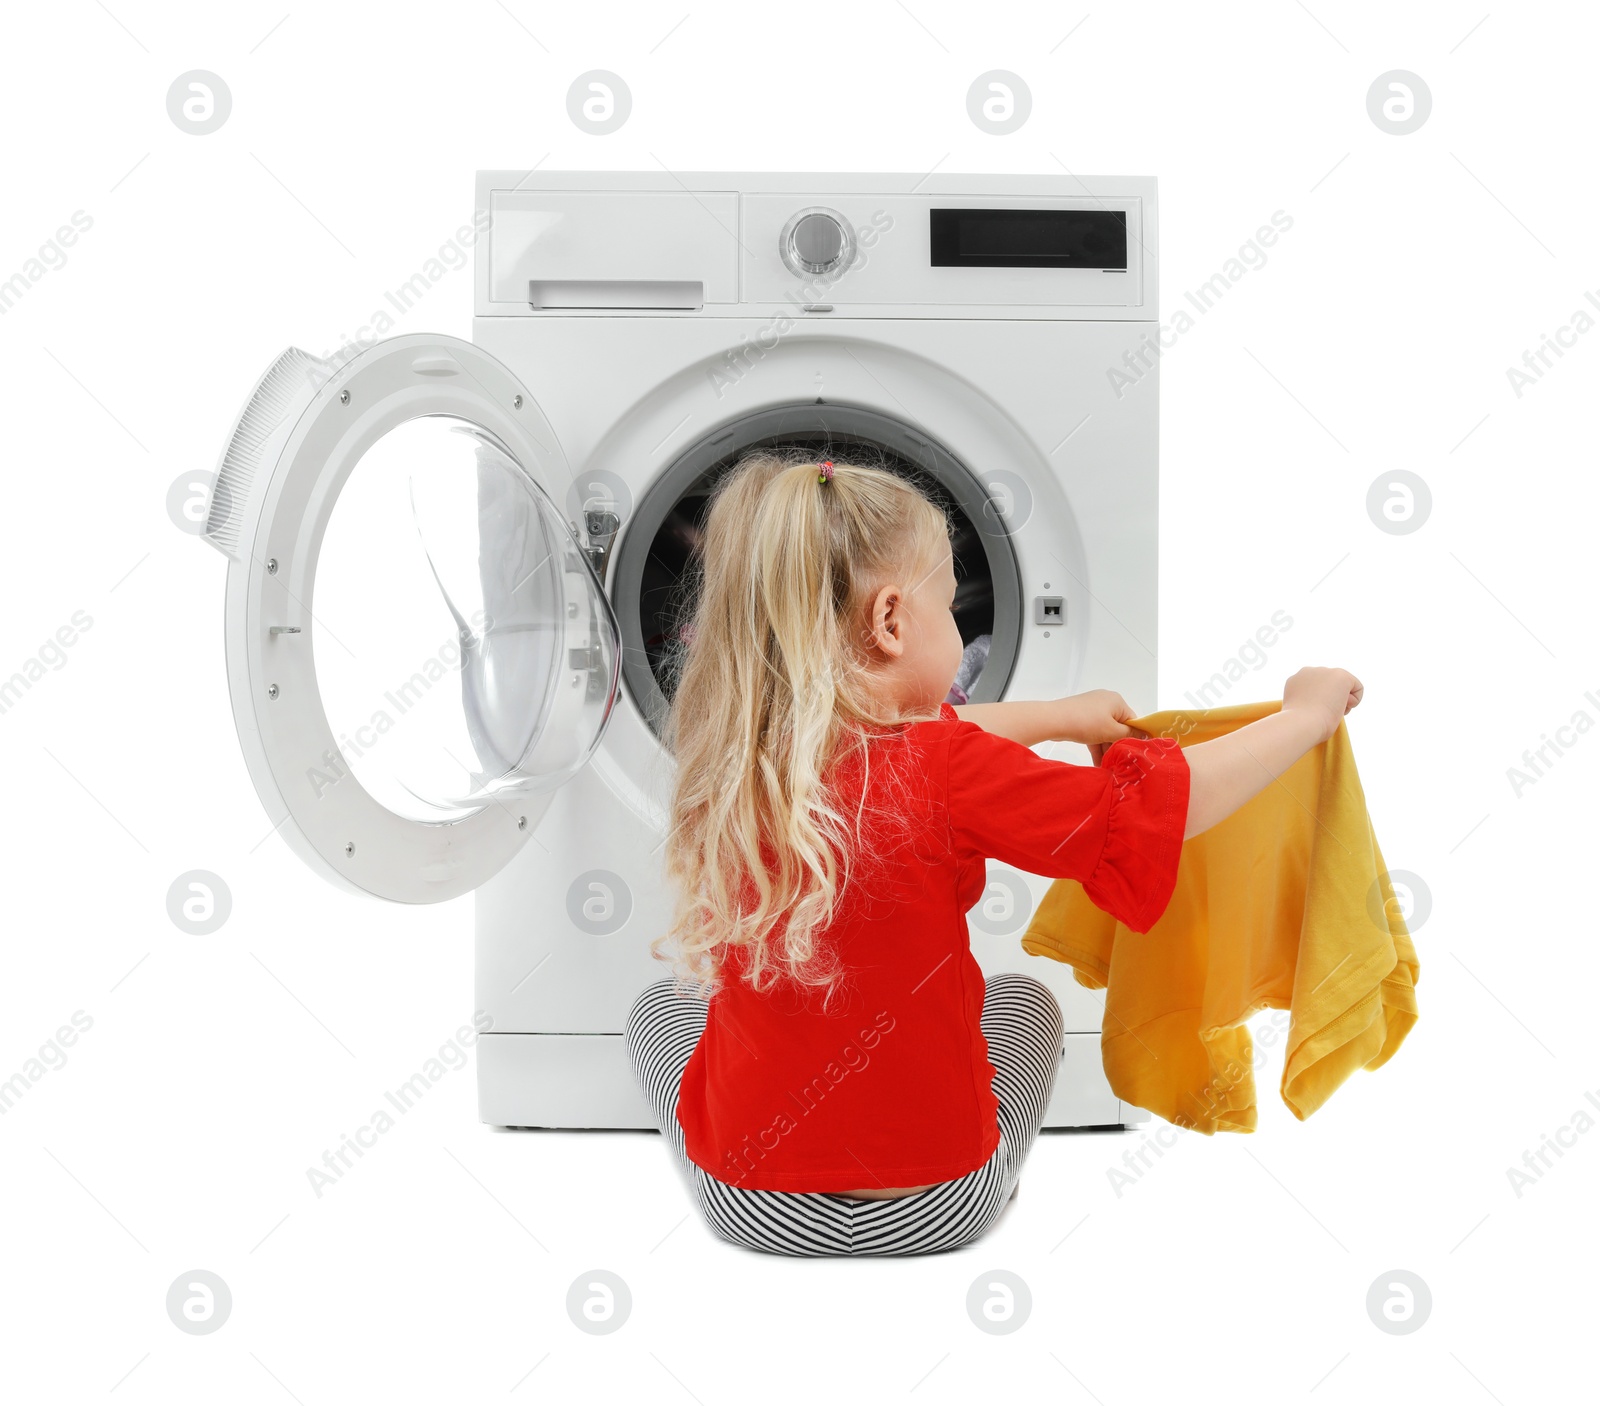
(1022, 1026)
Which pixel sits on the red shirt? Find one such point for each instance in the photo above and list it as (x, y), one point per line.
(891, 1087)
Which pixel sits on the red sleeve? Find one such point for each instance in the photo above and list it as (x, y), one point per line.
(1117, 828)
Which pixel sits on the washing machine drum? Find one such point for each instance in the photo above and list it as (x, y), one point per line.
(419, 650)
(654, 575)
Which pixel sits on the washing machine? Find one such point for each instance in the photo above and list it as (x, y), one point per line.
(457, 572)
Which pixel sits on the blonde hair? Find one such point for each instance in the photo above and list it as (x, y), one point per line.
(773, 685)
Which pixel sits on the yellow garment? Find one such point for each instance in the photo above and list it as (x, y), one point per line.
(1285, 904)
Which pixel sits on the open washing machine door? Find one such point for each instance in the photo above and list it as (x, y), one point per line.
(419, 649)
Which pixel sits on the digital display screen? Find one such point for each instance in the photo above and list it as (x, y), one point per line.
(1024, 239)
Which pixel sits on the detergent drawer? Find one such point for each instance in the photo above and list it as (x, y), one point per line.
(550, 250)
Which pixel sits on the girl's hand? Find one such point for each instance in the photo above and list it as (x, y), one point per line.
(1096, 719)
(1323, 694)
(1227, 771)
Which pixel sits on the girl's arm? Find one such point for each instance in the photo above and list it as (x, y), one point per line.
(1227, 771)
(1091, 718)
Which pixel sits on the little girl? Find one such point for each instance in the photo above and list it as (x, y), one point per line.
(844, 1081)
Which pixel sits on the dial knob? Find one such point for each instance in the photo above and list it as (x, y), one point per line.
(816, 242)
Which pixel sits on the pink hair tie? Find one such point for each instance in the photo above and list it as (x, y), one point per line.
(825, 471)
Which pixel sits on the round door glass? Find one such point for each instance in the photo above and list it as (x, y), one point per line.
(465, 652)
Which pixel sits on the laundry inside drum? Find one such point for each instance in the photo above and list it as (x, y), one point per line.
(668, 579)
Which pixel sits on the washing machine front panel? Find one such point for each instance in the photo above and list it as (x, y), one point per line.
(1039, 383)
(419, 649)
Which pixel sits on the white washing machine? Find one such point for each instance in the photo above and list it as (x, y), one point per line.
(457, 571)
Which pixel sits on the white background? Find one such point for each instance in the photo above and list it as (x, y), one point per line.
(1377, 337)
